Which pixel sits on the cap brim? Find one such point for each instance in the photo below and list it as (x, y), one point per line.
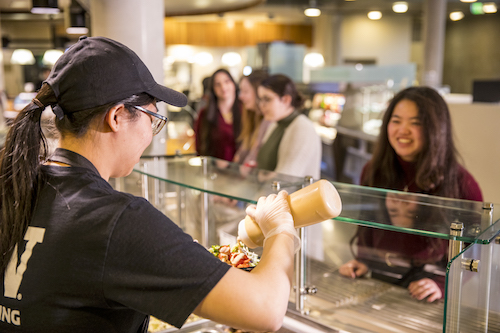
(168, 95)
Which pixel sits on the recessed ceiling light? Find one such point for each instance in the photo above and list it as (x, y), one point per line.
(400, 7)
(489, 7)
(375, 15)
(456, 16)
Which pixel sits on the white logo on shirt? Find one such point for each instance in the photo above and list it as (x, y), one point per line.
(14, 273)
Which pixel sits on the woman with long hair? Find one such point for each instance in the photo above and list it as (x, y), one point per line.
(415, 152)
(415, 149)
(79, 256)
(219, 123)
(253, 124)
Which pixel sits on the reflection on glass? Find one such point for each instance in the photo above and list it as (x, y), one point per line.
(411, 261)
(401, 210)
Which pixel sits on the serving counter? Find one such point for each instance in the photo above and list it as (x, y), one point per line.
(400, 237)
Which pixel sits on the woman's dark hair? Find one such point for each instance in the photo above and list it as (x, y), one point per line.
(437, 165)
(282, 85)
(25, 151)
(251, 119)
(210, 120)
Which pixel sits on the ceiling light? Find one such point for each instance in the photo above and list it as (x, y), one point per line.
(77, 30)
(314, 59)
(77, 20)
(468, 0)
(456, 16)
(45, 7)
(400, 7)
(375, 15)
(168, 61)
(181, 52)
(50, 57)
(203, 58)
(248, 24)
(22, 57)
(231, 59)
(247, 70)
(313, 10)
(489, 7)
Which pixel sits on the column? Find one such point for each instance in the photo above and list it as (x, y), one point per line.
(326, 38)
(434, 36)
(139, 25)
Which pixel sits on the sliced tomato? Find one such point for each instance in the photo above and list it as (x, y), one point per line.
(225, 249)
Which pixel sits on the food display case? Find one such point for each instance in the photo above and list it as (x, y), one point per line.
(401, 238)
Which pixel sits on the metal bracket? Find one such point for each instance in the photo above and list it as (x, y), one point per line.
(309, 290)
(470, 265)
(487, 205)
(455, 246)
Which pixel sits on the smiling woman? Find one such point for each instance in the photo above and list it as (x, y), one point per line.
(415, 149)
(414, 152)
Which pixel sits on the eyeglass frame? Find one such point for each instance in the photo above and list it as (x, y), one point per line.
(156, 125)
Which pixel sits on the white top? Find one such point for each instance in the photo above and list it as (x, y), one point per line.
(299, 152)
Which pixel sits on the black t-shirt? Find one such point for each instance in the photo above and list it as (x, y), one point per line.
(98, 260)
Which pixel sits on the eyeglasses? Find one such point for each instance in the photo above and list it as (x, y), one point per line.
(157, 122)
(264, 100)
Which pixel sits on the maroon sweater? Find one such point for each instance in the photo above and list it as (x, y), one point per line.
(380, 248)
(469, 188)
(222, 140)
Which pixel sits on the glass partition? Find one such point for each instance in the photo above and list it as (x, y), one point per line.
(400, 238)
(430, 215)
(472, 290)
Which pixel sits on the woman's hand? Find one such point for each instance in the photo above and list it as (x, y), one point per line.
(423, 288)
(353, 269)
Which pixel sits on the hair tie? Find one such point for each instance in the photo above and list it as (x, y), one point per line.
(38, 103)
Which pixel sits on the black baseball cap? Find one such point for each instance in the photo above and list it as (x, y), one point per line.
(96, 71)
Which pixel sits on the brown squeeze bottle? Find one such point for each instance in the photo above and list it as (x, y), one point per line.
(313, 204)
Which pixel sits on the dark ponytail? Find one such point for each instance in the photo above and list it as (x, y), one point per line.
(20, 161)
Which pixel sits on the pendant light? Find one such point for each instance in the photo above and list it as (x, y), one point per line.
(45, 7)
(77, 20)
(22, 57)
(313, 10)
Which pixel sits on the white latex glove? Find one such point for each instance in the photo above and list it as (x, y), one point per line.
(273, 216)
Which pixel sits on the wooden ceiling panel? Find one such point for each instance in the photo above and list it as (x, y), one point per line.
(198, 7)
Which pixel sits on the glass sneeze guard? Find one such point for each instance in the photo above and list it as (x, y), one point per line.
(395, 233)
(362, 205)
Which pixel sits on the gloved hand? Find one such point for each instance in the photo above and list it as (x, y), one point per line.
(273, 216)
